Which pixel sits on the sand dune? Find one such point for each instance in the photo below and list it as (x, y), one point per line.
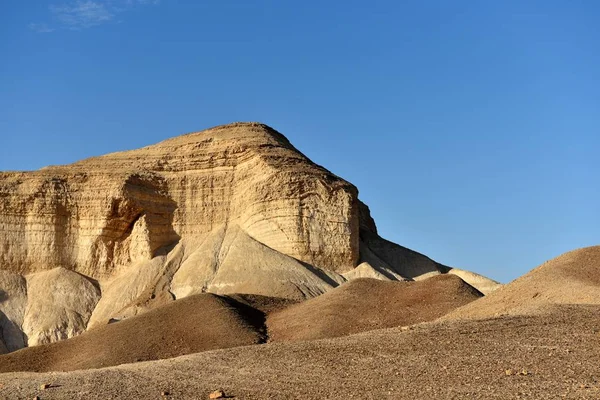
(367, 304)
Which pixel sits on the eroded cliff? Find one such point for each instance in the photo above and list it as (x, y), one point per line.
(232, 209)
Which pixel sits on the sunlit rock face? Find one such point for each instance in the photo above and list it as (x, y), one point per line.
(110, 211)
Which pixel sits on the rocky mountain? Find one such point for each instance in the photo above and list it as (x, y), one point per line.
(232, 209)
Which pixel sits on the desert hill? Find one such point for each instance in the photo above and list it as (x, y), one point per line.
(206, 321)
(194, 324)
(368, 304)
(571, 278)
(228, 210)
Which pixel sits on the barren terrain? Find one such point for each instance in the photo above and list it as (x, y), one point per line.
(194, 324)
(227, 260)
(367, 304)
(571, 278)
(548, 356)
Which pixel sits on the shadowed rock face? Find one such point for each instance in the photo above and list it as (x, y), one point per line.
(232, 209)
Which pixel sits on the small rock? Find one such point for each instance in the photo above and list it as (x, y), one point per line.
(165, 393)
(45, 386)
(508, 372)
(36, 398)
(217, 394)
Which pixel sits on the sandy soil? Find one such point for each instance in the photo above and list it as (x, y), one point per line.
(548, 356)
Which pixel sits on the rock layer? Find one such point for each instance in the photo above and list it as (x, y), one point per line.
(100, 213)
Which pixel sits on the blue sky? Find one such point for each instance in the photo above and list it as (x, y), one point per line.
(471, 128)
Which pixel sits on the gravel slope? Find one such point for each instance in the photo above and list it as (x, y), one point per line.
(556, 353)
(197, 323)
(571, 278)
(366, 304)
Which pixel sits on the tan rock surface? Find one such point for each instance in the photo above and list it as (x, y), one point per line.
(366, 270)
(59, 305)
(125, 289)
(479, 282)
(385, 255)
(112, 210)
(233, 262)
(13, 300)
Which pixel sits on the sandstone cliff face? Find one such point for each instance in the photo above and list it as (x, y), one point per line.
(232, 209)
(100, 213)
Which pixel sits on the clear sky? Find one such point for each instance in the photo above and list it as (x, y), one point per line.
(471, 128)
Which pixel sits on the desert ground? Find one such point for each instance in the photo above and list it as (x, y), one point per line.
(549, 350)
(552, 355)
(226, 264)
